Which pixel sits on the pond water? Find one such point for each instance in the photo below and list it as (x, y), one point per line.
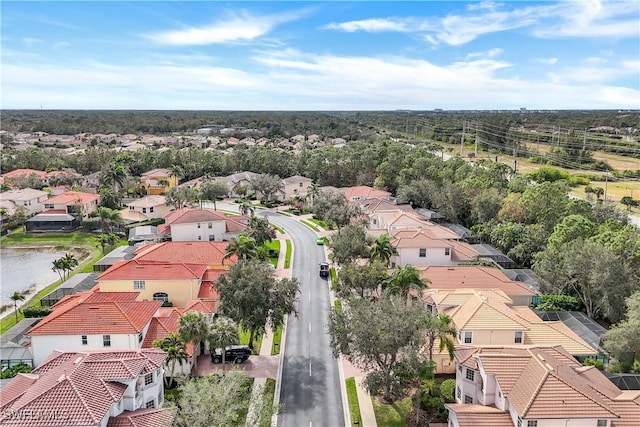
(23, 268)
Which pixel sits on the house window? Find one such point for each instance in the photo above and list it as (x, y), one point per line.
(532, 423)
(423, 252)
(460, 368)
(518, 339)
(603, 423)
(138, 285)
(148, 379)
(447, 251)
(48, 205)
(199, 237)
(161, 296)
(458, 392)
(468, 337)
(151, 209)
(468, 399)
(210, 225)
(470, 374)
(140, 337)
(499, 394)
(150, 404)
(300, 184)
(131, 208)
(430, 308)
(106, 340)
(144, 210)
(198, 225)
(519, 423)
(84, 340)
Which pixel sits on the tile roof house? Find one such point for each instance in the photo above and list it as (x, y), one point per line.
(158, 181)
(237, 180)
(370, 206)
(186, 225)
(431, 244)
(361, 192)
(91, 321)
(146, 208)
(487, 317)
(176, 272)
(17, 174)
(296, 185)
(30, 199)
(69, 199)
(85, 388)
(536, 386)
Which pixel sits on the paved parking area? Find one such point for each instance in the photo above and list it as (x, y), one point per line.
(255, 367)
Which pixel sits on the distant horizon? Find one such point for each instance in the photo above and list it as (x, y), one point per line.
(321, 56)
(394, 110)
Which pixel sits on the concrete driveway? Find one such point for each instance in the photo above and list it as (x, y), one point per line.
(255, 367)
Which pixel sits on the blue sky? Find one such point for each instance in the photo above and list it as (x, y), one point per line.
(332, 55)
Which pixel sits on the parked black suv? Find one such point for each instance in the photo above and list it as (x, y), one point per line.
(233, 353)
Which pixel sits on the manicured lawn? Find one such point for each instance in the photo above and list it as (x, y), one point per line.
(269, 392)
(338, 306)
(334, 277)
(393, 415)
(280, 230)
(310, 225)
(287, 255)
(277, 338)
(275, 246)
(244, 339)
(352, 397)
(320, 223)
(59, 240)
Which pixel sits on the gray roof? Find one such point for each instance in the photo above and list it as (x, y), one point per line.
(460, 230)
(625, 381)
(586, 328)
(488, 251)
(80, 282)
(16, 333)
(150, 231)
(118, 254)
(524, 275)
(429, 213)
(51, 217)
(15, 352)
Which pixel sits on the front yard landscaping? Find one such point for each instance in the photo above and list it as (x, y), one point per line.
(352, 397)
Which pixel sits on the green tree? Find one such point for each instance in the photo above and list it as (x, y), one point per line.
(260, 230)
(349, 244)
(109, 218)
(623, 339)
(181, 197)
(246, 207)
(381, 338)
(105, 240)
(176, 350)
(213, 190)
(214, 401)
(439, 328)
(267, 186)
(404, 280)
(252, 295)
(17, 296)
(114, 176)
(361, 280)
(382, 249)
(243, 246)
(571, 227)
(224, 332)
(109, 198)
(194, 328)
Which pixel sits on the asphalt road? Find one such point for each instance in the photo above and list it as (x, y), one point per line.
(310, 387)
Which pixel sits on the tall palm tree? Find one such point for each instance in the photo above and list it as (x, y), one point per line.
(17, 296)
(176, 350)
(109, 218)
(194, 328)
(243, 246)
(439, 327)
(261, 231)
(114, 175)
(58, 267)
(404, 280)
(246, 207)
(224, 332)
(382, 249)
(314, 191)
(104, 240)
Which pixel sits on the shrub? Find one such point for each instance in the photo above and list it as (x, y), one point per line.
(35, 311)
(550, 302)
(575, 180)
(593, 362)
(15, 370)
(167, 304)
(447, 388)
(548, 174)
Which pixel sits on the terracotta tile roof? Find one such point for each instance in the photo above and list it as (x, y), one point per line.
(156, 173)
(148, 201)
(208, 290)
(73, 197)
(97, 314)
(135, 269)
(15, 388)
(188, 215)
(479, 415)
(370, 206)
(82, 385)
(24, 172)
(462, 251)
(506, 367)
(143, 418)
(472, 277)
(207, 307)
(552, 333)
(363, 191)
(206, 253)
(429, 236)
(481, 312)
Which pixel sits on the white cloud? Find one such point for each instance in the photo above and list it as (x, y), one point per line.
(240, 27)
(375, 25)
(290, 79)
(548, 61)
(491, 53)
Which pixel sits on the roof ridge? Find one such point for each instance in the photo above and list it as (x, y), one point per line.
(72, 303)
(124, 313)
(537, 390)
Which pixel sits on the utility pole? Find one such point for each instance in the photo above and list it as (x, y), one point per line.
(475, 156)
(462, 139)
(606, 182)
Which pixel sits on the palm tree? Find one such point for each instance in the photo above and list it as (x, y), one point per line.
(405, 279)
(243, 246)
(109, 218)
(314, 191)
(176, 350)
(439, 327)
(194, 328)
(382, 249)
(114, 175)
(105, 240)
(261, 231)
(17, 296)
(246, 207)
(58, 267)
(224, 332)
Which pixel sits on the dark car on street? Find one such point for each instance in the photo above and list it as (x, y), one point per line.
(233, 353)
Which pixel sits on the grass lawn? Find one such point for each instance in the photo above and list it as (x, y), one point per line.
(320, 223)
(310, 225)
(280, 230)
(277, 338)
(334, 277)
(59, 240)
(352, 397)
(274, 245)
(287, 255)
(338, 306)
(244, 339)
(269, 392)
(393, 415)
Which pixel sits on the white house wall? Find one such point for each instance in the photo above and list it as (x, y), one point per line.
(43, 345)
(190, 232)
(434, 256)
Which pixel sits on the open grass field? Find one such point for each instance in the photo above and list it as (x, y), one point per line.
(392, 415)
